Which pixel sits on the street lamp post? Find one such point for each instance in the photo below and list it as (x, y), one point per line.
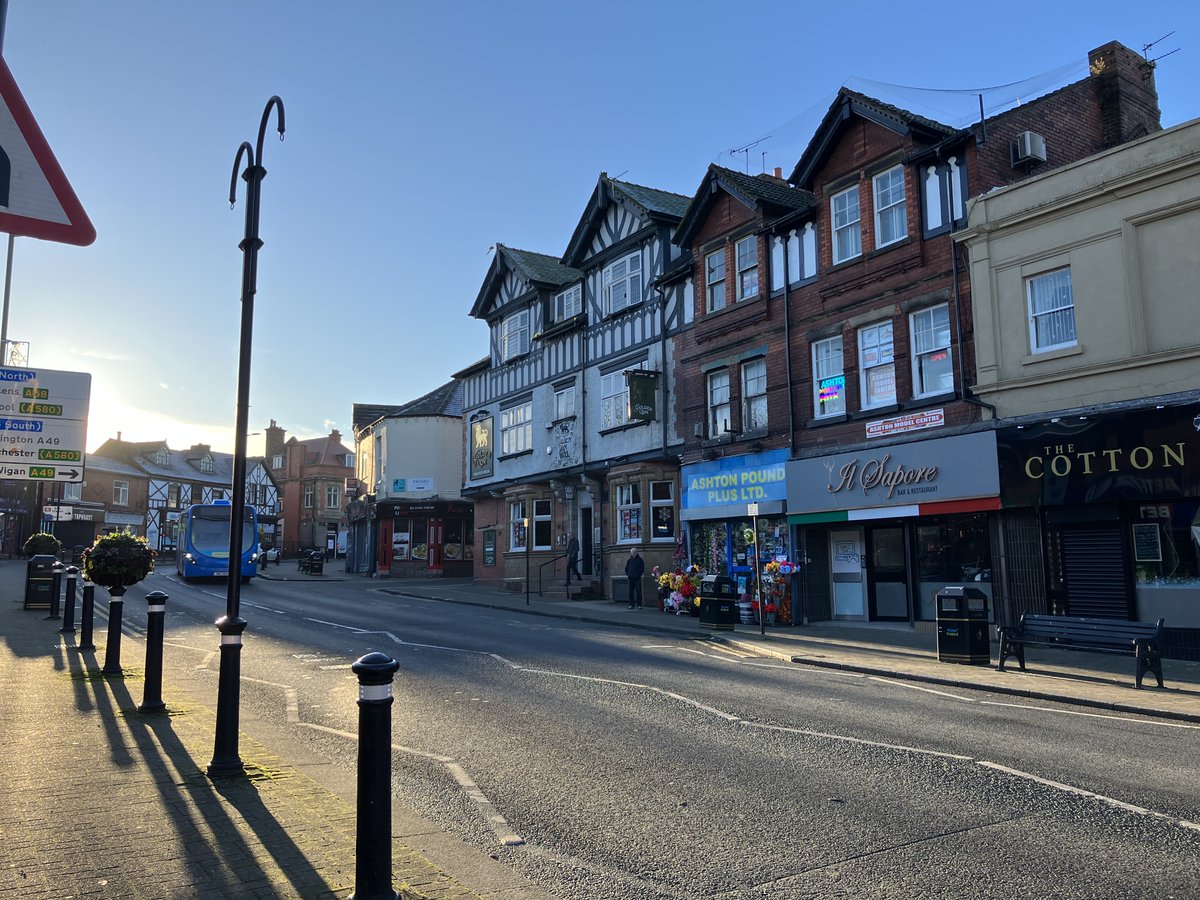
(225, 758)
(525, 525)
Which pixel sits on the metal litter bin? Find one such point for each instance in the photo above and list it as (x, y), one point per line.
(40, 581)
(718, 602)
(962, 626)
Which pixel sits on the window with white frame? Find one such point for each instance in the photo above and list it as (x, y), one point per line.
(933, 369)
(218, 494)
(277, 461)
(206, 463)
(516, 525)
(333, 496)
(754, 395)
(72, 491)
(120, 493)
(718, 403)
(629, 512)
(621, 283)
(516, 429)
(543, 526)
(514, 335)
(877, 365)
(714, 280)
(891, 216)
(746, 252)
(662, 510)
(829, 378)
(1051, 311)
(173, 496)
(847, 236)
(614, 397)
(162, 456)
(568, 304)
(309, 495)
(564, 402)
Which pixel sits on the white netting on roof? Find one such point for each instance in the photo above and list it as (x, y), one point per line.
(955, 107)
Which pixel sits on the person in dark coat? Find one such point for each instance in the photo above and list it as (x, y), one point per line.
(635, 568)
(573, 560)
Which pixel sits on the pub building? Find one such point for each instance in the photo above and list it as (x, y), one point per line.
(882, 529)
(717, 498)
(1115, 499)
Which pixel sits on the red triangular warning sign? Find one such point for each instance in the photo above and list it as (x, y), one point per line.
(35, 198)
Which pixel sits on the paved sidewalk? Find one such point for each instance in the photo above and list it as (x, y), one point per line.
(98, 800)
(1099, 680)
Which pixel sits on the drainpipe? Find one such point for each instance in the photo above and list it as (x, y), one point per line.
(787, 344)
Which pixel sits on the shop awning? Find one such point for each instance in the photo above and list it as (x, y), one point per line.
(979, 504)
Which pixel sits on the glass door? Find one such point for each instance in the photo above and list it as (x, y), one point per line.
(846, 570)
(887, 574)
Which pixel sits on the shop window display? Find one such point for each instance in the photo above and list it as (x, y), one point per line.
(1166, 544)
(951, 550)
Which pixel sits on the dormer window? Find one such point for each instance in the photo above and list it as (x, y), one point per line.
(568, 304)
(162, 457)
(206, 463)
(621, 283)
(514, 335)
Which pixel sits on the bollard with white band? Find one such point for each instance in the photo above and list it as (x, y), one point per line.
(373, 848)
(112, 649)
(68, 626)
(226, 760)
(156, 615)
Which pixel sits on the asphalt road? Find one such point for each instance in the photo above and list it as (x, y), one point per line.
(603, 762)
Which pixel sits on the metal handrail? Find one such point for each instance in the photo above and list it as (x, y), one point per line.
(548, 562)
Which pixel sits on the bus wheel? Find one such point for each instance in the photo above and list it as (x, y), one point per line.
(245, 579)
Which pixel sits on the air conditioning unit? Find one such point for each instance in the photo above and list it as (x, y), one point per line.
(1029, 147)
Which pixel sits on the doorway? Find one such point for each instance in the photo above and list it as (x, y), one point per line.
(436, 540)
(846, 571)
(887, 574)
(585, 541)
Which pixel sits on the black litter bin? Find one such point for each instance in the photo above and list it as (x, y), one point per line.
(39, 581)
(962, 626)
(718, 602)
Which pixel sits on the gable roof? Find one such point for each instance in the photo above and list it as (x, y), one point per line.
(538, 269)
(324, 451)
(755, 191)
(653, 204)
(441, 401)
(850, 104)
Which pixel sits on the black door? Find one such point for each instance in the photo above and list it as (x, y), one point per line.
(585, 540)
(887, 574)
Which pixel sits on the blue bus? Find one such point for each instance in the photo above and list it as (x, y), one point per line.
(203, 547)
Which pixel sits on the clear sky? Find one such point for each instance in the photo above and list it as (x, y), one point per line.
(419, 134)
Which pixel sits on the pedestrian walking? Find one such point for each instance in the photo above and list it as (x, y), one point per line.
(573, 560)
(635, 568)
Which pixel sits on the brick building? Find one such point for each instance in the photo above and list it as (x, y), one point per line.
(311, 475)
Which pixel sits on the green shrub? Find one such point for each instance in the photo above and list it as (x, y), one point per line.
(118, 560)
(42, 544)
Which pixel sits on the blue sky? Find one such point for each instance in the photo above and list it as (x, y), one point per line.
(418, 135)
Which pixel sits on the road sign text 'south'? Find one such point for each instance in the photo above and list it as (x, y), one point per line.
(36, 200)
(43, 424)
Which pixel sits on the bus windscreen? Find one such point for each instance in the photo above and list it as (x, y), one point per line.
(210, 530)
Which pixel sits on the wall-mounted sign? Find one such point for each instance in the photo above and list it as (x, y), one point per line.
(643, 394)
(953, 468)
(399, 485)
(481, 448)
(489, 548)
(421, 484)
(934, 418)
(750, 478)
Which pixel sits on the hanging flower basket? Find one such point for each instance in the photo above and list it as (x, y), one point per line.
(118, 560)
(42, 544)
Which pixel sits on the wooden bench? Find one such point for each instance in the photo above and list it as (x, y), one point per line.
(1140, 640)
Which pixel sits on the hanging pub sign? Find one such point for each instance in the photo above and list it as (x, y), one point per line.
(643, 394)
(481, 448)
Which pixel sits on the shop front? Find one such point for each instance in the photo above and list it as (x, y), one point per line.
(1117, 500)
(425, 539)
(723, 500)
(882, 530)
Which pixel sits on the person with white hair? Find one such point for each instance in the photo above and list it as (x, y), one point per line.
(635, 568)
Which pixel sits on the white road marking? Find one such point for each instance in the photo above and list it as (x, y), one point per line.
(499, 825)
(854, 740)
(1091, 795)
(1071, 712)
(917, 687)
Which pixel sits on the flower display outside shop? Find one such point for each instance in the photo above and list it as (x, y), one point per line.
(680, 589)
(42, 544)
(776, 588)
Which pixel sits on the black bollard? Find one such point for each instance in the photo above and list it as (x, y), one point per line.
(55, 589)
(373, 848)
(112, 649)
(156, 615)
(69, 602)
(86, 616)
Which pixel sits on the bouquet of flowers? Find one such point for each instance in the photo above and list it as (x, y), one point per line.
(682, 589)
